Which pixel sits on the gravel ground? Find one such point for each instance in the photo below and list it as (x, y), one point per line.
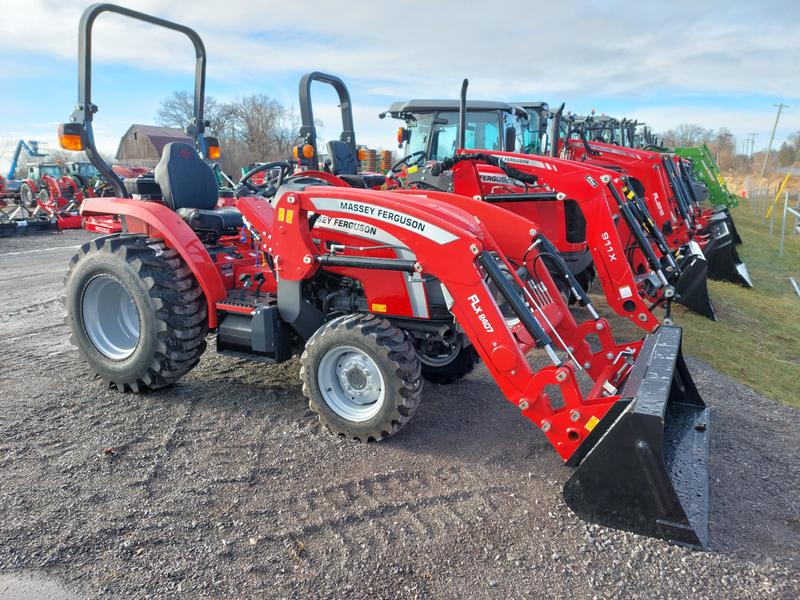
(225, 486)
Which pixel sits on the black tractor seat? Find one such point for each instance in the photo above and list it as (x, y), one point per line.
(344, 164)
(189, 187)
(363, 181)
(220, 221)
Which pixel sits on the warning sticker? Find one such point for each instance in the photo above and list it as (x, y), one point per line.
(591, 423)
(625, 292)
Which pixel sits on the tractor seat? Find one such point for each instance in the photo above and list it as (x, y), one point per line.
(189, 187)
(344, 164)
(364, 181)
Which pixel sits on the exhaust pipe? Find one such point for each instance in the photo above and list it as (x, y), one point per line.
(644, 467)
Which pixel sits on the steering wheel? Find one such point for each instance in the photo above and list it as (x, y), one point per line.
(413, 159)
(277, 172)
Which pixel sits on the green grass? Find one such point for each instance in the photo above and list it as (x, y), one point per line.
(757, 337)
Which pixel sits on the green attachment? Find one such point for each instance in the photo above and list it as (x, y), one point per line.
(705, 169)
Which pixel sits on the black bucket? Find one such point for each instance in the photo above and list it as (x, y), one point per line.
(644, 467)
(723, 210)
(724, 263)
(691, 289)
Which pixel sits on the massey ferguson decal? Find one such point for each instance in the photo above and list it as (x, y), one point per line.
(612, 253)
(428, 230)
(492, 178)
(531, 162)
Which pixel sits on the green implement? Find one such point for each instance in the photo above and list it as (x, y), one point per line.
(705, 169)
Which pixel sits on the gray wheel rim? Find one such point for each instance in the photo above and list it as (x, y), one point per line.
(110, 317)
(351, 383)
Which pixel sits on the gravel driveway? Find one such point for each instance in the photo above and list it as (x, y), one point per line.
(225, 486)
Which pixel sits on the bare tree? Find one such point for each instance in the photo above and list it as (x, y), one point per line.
(685, 134)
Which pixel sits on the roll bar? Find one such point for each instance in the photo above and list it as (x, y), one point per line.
(83, 114)
(556, 130)
(308, 130)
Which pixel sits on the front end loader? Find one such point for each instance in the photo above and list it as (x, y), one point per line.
(350, 297)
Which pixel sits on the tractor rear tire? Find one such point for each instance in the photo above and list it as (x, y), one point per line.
(361, 377)
(26, 196)
(136, 312)
(462, 363)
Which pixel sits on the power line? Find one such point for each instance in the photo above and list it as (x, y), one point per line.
(780, 107)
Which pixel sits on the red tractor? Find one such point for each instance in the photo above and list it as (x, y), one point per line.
(47, 191)
(352, 279)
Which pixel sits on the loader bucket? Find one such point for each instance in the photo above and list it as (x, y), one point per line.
(731, 225)
(724, 263)
(646, 466)
(691, 289)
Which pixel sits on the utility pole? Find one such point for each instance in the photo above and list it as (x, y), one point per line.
(780, 107)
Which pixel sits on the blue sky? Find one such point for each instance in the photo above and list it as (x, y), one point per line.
(712, 63)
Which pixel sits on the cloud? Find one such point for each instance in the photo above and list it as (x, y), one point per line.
(643, 54)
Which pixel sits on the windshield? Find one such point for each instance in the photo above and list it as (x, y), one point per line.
(87, 170)
(51, 170)
(439, 132)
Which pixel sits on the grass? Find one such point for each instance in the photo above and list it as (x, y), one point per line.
(757, 337)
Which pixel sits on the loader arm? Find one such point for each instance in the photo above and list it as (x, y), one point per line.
(454, 247)
(588, 188)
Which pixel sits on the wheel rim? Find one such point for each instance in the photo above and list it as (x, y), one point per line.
(442, 359)
(351, 383)
(110, 317)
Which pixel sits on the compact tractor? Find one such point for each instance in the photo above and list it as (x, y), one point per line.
(18, 215)
(317, 264)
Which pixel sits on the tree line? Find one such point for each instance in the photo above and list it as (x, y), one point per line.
(250, 129)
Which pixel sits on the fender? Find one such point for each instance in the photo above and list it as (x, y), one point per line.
(156, 220)
(32, 184)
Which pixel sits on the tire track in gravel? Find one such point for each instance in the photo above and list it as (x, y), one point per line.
(420, 506)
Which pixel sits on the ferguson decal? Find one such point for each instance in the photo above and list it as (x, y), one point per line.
(475, 302)
(387, 215)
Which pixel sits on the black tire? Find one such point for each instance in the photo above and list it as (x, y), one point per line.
(393, 355)
(171, 307)
(26, 196)
(462, 364)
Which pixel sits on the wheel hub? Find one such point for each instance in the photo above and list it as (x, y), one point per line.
(351, 383)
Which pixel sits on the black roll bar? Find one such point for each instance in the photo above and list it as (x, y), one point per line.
(83, 114)
(308, 130)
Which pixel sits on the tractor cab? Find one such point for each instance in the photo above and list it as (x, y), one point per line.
(35, 172)
(431, 132)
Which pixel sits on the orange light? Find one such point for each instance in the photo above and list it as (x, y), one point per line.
(69, 137)
(213, 152)
(400, 135)
(308, 151)
(295, 152)
(362, 154)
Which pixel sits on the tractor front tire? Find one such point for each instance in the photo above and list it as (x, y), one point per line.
(136, 312)
(443, 372)
(361, 377)
(26, 196)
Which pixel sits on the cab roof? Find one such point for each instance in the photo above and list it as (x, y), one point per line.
(400, 110)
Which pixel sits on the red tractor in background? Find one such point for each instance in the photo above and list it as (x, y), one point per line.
(584, 210)
(352, 279)
(47, 191)
(665, 181)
